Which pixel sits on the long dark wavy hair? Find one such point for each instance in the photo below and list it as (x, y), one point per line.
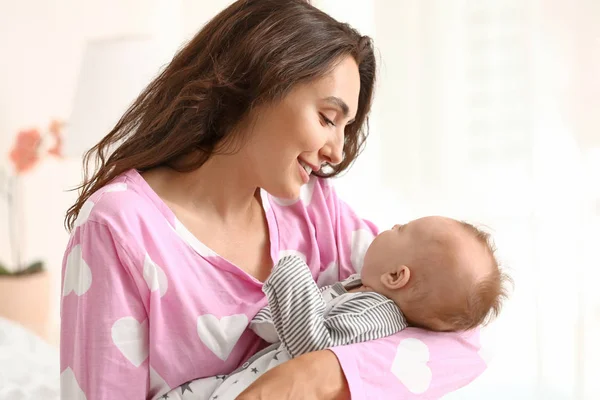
(251, 53)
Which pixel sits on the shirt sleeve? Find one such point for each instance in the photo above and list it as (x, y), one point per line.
(411, 364)
(298, 312)
(297, 307)
(104, 325)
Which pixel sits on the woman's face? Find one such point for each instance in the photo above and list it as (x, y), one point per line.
(290, 139)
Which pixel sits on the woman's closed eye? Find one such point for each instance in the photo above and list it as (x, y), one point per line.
(327, 120)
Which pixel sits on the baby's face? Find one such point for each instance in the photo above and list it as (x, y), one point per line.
(392, 247)
(400, 244)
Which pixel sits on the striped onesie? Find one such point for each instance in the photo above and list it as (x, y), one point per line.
(301, 318)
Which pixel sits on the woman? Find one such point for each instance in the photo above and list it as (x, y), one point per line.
(175, 232)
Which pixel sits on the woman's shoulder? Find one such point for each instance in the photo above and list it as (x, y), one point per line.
(124, 202)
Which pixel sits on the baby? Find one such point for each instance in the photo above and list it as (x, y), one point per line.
(440, 272)
(435, 273)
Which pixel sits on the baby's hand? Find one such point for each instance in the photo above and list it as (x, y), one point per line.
(361, 288)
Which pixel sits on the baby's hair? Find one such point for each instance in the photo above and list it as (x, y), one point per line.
(461, 304)
(485, 297)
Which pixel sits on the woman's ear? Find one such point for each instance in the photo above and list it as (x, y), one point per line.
(396, 278)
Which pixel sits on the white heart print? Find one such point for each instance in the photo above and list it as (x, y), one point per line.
(115, 187)
(84, 213)
(410, 365)
(69, 387)
(78, 275)
(361, 240)
(221, 334)
(155, 277)
(131, 338)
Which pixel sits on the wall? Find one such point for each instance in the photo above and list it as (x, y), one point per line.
(43, 42)
(486, 109)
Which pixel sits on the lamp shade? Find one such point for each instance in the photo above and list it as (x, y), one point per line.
(113, 73)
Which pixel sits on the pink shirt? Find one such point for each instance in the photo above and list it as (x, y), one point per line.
(146, 307)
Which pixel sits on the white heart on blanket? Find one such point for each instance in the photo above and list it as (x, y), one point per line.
(155, 276)
(78, 275)
(221, 335)
(84, 213)
(329, 276)
(306, 193)
(361, 240)
(69, 387)
(410, 365)
(131, 338)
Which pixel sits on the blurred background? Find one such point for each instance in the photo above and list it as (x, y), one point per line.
(487, 111)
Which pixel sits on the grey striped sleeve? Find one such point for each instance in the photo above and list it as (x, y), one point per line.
(297, 309)
(364, 316)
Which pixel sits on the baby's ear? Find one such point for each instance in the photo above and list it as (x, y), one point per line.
(396, 277)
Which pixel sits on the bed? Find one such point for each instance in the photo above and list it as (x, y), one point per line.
(29, 367)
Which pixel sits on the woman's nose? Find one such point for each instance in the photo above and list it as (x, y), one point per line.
(332, 151)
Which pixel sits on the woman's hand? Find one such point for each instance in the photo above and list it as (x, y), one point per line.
(317, 375)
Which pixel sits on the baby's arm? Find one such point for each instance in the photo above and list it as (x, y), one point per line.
(297, 309)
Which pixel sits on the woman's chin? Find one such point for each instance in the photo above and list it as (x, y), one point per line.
(290, 195)
(287, 194)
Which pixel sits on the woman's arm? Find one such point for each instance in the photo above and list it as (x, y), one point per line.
(104, 328)
(315, 375)
(395, 367)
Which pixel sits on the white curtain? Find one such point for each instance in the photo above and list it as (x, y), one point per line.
(490, 111)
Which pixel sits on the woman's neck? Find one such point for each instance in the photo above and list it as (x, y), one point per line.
(222, 188)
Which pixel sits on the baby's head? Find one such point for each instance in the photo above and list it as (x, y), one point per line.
(442, 273)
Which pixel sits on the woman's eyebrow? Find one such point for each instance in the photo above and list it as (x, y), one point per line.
(336, 101)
